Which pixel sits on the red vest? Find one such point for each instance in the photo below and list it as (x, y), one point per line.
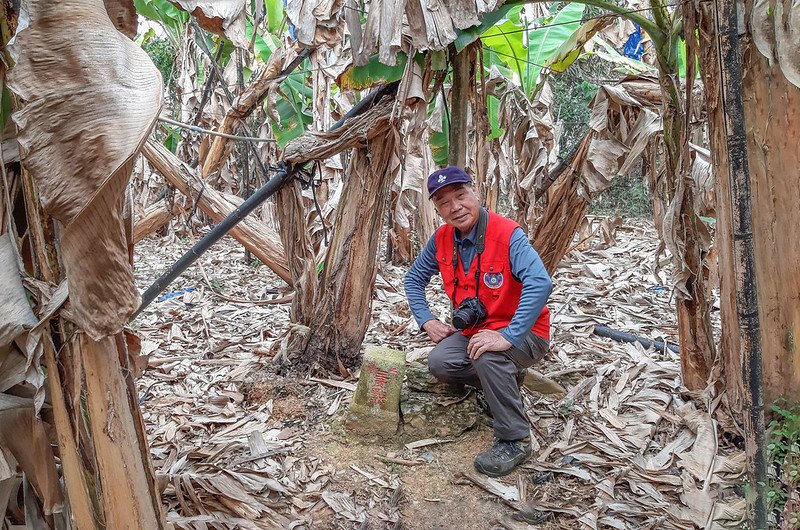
(499, 290)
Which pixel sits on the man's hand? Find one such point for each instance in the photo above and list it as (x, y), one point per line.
(438, 330)
(486, 340)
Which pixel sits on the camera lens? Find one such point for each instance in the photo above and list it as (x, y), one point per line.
(463, 318)
(469, 313)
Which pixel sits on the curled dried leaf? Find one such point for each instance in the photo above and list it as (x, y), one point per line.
(222, 17)
(90, 97)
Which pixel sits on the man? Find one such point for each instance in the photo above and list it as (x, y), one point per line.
(485, 256)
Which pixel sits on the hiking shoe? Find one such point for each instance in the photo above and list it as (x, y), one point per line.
(503, 457)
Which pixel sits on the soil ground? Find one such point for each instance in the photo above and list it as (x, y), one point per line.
(239, 446)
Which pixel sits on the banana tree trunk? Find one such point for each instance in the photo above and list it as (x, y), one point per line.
(459, 107)
(342, 307)
(154, 218)
(291, 211)
(399, 248)
(679, 226)
(679, 229)
(108, 476)
(770, 103)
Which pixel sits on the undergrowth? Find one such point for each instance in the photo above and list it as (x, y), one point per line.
(627, 197)
(162, 52)
(783, 451)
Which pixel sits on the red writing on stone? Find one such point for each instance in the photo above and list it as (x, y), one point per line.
(377, 392)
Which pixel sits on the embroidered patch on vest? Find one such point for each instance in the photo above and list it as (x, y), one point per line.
(493, 280)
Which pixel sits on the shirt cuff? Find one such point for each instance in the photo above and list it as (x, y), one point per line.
(424, 318)
(515, 341)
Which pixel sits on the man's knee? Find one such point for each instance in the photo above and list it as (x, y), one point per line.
(439, 363)
(493, 362)
(445, 358)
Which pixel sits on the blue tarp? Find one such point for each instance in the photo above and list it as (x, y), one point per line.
(633, 46)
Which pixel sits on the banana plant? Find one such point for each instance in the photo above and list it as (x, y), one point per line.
(294, 95)
(172, 19)
(294, 108)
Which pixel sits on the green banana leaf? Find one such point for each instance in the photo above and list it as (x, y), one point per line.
(440, 141)
(172, 18)
(297, 83)
(490, 58)
(263, 46)
(572, 48)
(506, 40)
(544, 42)
(294, 121)
(468, 36)
(275, 14)
(493, 110)
(293, 108)
(371, 74)
(5, 107)
(681, 52)
(440, 147)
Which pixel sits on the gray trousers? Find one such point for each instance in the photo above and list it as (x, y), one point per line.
(495, 373)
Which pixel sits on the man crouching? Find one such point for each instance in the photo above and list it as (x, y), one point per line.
(498, 287)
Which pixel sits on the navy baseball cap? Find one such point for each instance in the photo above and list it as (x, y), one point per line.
(446, 176)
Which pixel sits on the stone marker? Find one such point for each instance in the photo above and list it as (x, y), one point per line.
(420, 379)
(375, 410)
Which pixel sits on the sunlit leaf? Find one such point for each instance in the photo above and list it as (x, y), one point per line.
(544, 42)
(275, 14)
(680, 50)
(506, 39)
(372, 73)
(470, 35)
(572, 48)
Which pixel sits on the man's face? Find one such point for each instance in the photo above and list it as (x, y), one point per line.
(459, 206)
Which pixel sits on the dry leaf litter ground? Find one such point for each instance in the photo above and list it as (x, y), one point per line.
(625, 448)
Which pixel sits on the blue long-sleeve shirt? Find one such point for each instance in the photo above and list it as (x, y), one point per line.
(526, 266)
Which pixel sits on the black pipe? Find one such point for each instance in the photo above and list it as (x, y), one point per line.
(389, 89)
(252, 202)
(621, 336)
(262, 194)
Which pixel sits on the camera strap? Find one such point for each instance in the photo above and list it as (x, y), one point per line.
(480, 245)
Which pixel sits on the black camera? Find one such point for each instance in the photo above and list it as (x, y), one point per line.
(469, 313)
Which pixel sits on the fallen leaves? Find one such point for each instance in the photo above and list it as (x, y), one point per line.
(623, 447)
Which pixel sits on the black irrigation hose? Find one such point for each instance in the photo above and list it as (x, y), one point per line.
(199, 248)
(621, 336)
(284, 175)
